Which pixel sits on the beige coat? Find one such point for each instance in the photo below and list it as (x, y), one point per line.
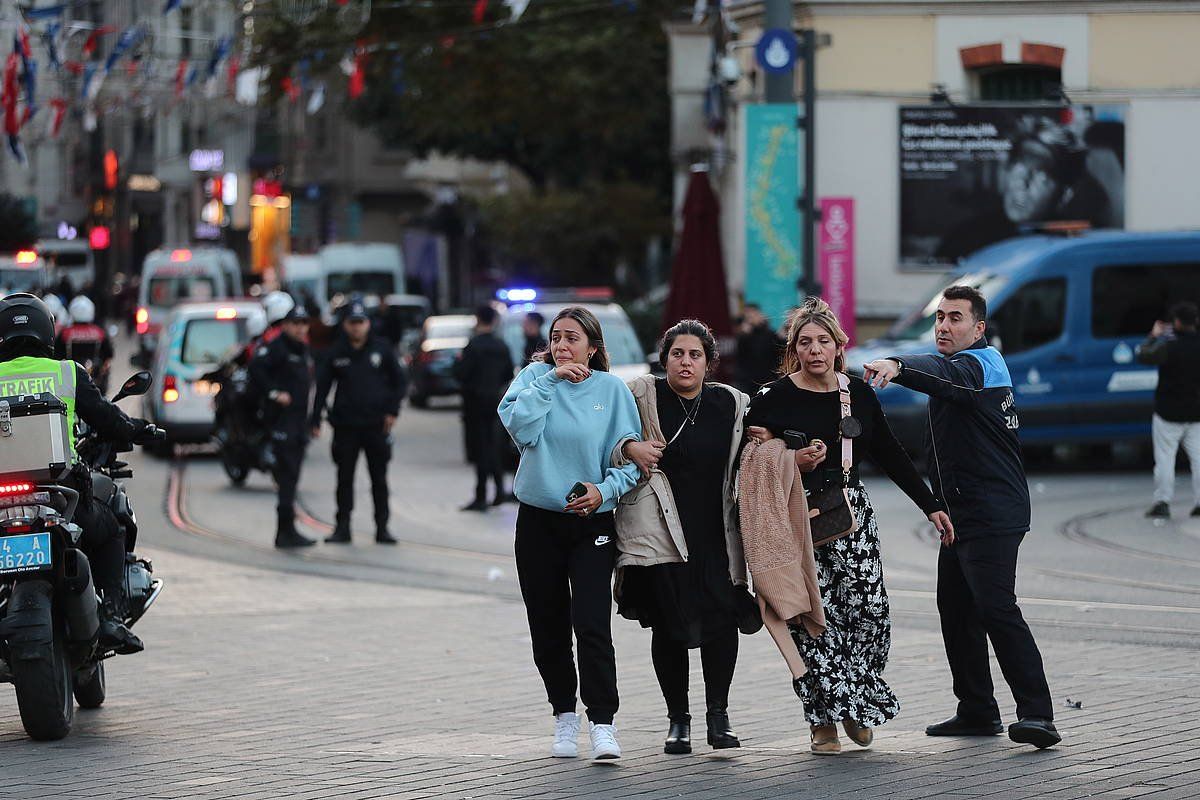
(778, 545)
(647, 520)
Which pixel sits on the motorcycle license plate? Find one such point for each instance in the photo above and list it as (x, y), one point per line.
(24, 553)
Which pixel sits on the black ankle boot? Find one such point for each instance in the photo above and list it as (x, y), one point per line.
(720, 734)
(113, 633)
(679, 737)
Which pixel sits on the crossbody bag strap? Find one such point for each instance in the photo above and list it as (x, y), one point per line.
(847, 443)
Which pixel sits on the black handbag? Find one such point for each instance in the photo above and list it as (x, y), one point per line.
(830, 516)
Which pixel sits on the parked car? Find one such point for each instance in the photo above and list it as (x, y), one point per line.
(1067, 314)
(23, 271)
(431, 360)
(195, 338)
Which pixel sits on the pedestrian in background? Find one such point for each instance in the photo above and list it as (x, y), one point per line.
(281, 374)
(758, 351)
(1175, 350)
(844, 682)
(484, 369)
(681, 568)
(85, 342)
(976, 471)
(370, 384)
(567, 413)
(535, 342)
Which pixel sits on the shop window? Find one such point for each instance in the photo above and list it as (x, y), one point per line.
(1016, 83)
(1128, 299)
(1032, 317)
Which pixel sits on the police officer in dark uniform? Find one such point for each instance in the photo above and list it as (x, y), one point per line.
(281, 373)
(370, 385)
(484, 371)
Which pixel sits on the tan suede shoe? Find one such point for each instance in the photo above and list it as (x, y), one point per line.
(861, 735)
(825, 740)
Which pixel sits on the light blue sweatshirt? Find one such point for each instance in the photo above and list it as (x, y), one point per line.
(566, 433)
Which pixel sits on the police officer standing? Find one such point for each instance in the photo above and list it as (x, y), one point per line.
(484, 371)
(281, 374)
(370, 385)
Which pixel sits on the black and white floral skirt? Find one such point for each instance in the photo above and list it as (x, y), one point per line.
(845, 664)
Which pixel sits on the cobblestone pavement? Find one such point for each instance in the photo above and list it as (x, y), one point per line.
(363, 672)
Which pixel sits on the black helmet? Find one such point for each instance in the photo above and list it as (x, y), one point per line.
(23, 315)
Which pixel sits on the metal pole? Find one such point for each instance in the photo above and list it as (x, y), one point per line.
(780, 87)
(810, 212)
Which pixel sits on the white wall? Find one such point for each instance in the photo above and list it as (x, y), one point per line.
(1162, 164)
(858, 156)
(1067, 31)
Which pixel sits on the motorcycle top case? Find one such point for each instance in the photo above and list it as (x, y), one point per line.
(35, 443)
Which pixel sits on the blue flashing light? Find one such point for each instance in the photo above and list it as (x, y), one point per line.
(517, 295)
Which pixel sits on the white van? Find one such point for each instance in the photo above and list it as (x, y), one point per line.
(301, 277)
(69, 258)
(171, 276)
(368, 268)
(23, 271)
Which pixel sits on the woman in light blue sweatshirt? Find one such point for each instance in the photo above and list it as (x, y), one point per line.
(566, 413)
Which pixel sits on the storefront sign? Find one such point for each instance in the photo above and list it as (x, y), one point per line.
(144, 183)
(971, 176)
(772, 220)
(206, 160)
(835, 253)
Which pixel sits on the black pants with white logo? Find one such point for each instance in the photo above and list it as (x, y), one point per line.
(977, 601)
(565, 564)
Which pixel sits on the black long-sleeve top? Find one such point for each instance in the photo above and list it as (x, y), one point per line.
(783, 405)
(370, 384)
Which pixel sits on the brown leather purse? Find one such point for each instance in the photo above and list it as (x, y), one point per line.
(830, 516)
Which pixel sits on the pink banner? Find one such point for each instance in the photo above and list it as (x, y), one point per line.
(835, 257)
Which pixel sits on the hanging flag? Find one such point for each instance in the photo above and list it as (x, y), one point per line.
(49, 12)
(358, 78)
(317, 99)
(51, 38)
(29, 78)
(231, 75)
(56, 119)
(93, 39)
(171, 6)
(290, 88)
(516, 8)
(89, 73)
(480, 12)
(180, 76)
(129, 38)
(218, 55)
(12, 121)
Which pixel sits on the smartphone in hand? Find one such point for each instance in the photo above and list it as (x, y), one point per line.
(577, 491)
(795, 440)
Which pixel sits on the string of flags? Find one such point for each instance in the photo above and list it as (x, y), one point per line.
(78, 76)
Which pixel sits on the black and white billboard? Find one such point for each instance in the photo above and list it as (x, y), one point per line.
(974, 175)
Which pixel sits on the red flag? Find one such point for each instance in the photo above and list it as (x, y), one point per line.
(180, 77)
(358, 78)
(74, 67)
(231, 76)
(291, 88)
(12, 121)
(89, 46)
(60, 111)
(480, 11)
(23, 38)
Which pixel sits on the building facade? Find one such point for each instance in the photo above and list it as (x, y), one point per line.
(924, 109)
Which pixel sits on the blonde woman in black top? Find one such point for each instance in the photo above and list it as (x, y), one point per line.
(844, 683)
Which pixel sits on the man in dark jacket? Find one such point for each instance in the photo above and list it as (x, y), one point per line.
(370, 385)
(758, 351)
(1175, 349)
(281, 374)
(535, 342)
(484, 371)
(975, 461)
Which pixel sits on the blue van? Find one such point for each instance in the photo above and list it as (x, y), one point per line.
(1067, 313)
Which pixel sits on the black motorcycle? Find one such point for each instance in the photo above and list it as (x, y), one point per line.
(49, 611)
(238, 425)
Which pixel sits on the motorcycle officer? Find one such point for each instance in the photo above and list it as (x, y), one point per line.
(281, 374)
(370, 385)
(27, 350)
(85, 342)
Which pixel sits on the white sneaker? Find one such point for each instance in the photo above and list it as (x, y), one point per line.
(566, 731)
(604, 742)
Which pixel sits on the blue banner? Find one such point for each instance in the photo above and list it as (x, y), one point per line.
(773, 244)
